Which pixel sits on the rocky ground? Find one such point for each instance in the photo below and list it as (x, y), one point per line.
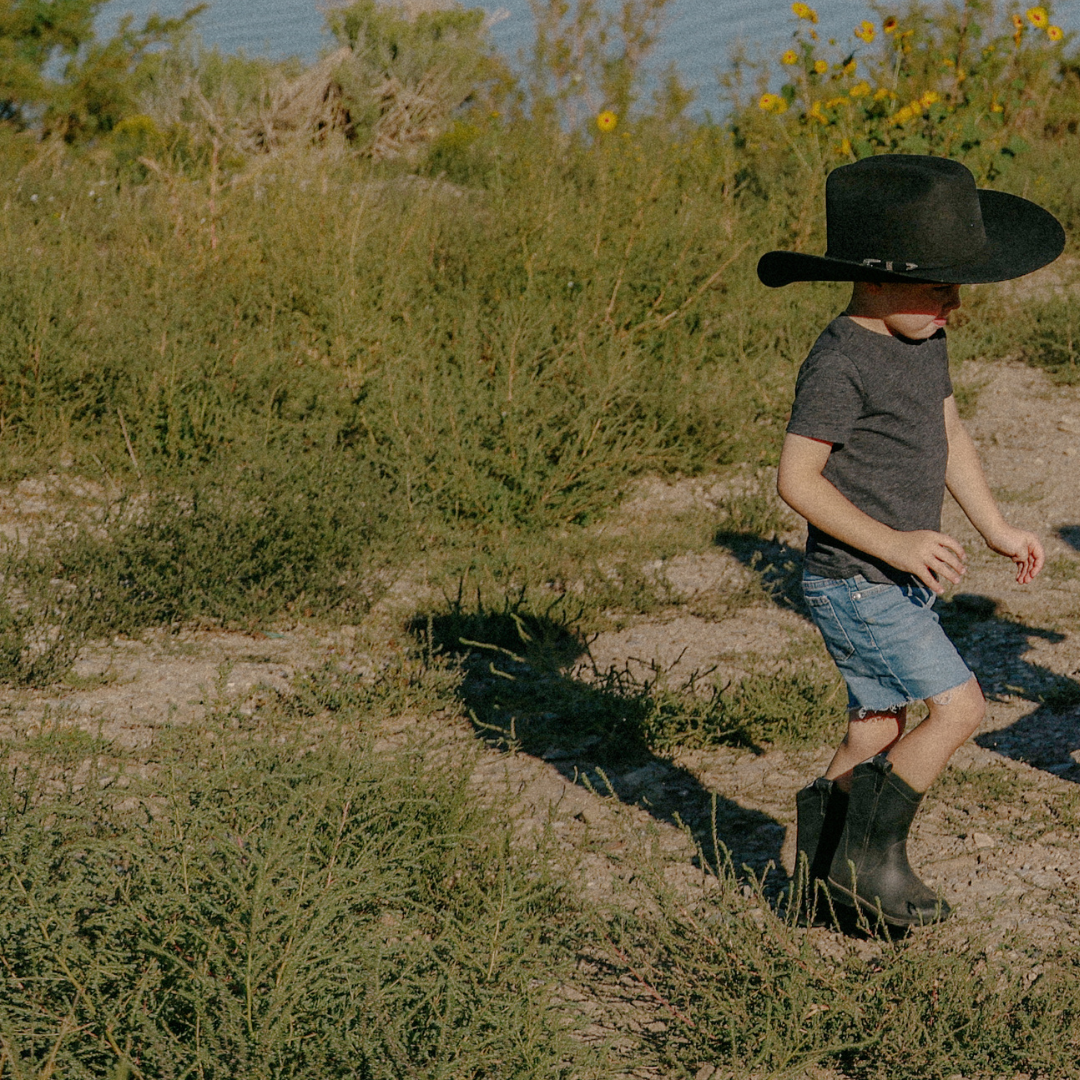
(997, 834)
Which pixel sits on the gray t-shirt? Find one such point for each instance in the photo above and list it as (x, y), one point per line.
(879, 400)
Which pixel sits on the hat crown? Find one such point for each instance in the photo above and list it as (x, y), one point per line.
(904, 212)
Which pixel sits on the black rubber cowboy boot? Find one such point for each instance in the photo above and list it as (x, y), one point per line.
(820, 808)
(870, 870)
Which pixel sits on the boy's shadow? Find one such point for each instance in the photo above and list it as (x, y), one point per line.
(1049, 737)
(521, 695)
(1071, 535)
(991, 643)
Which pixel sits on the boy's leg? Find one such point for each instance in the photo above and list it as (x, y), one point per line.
(870, 867)
(921, 755)
(867, 735)
(821, 807)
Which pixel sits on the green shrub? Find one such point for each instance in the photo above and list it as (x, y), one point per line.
(262, 905)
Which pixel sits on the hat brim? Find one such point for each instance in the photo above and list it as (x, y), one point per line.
(1021, 237)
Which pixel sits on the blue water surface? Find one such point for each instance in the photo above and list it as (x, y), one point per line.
(698, 35)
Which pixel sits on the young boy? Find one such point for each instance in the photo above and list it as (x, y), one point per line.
(873, 442)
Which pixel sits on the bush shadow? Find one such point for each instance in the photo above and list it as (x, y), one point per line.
(993, 645)
(529, 685)
(778, 565)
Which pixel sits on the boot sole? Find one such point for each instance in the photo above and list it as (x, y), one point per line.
(848, 899)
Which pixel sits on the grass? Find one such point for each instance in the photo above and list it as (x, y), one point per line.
(280, 892)
(273, 897)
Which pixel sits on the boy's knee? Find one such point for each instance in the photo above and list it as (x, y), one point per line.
(963, 706)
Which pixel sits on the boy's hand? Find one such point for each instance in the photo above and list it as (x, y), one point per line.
(929, 556)
(1022, 547)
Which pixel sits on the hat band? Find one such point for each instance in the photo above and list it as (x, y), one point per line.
(891, 265)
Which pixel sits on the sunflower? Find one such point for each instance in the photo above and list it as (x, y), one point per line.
(790, 57)
(889, 25)
(865, 30)
(607, 120)
(804, 11)
(1055, 33)
(772, 103)
(1037, 16)
(820, 66)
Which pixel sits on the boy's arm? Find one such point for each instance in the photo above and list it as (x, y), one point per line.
(926, 554)
(966, 482)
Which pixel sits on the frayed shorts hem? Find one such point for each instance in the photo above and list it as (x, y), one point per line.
(861, 712)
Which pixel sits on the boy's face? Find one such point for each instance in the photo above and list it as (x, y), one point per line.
(913, 311)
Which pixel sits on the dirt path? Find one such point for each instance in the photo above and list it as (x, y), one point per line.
(997, 834)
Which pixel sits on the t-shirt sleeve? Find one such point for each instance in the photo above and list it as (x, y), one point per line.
(828, 398)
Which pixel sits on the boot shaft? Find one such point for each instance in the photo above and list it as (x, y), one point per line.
(882, 807)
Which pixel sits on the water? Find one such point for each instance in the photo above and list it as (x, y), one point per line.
(698, 35)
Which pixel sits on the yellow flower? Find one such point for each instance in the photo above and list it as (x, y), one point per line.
(815, 113)
(850, 66)
(1055, 33)
(889, 25)
(607, 120)
(1017, 22)
(881, 93)
(860, 89)
(865, 30)
(772, 103)
(931, 97)
(1037, 16)
(804, 11)
(820, 67)
(843, 148)
(835, 102)
(790, 57)
(995, 107)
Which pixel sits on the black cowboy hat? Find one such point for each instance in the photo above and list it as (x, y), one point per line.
(908, 217)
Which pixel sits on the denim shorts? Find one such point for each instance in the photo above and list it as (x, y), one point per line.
(886, 640)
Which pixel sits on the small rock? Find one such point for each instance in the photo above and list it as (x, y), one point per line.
(556, 753)
(642, 777)
(982, 840)
(705, 1072)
